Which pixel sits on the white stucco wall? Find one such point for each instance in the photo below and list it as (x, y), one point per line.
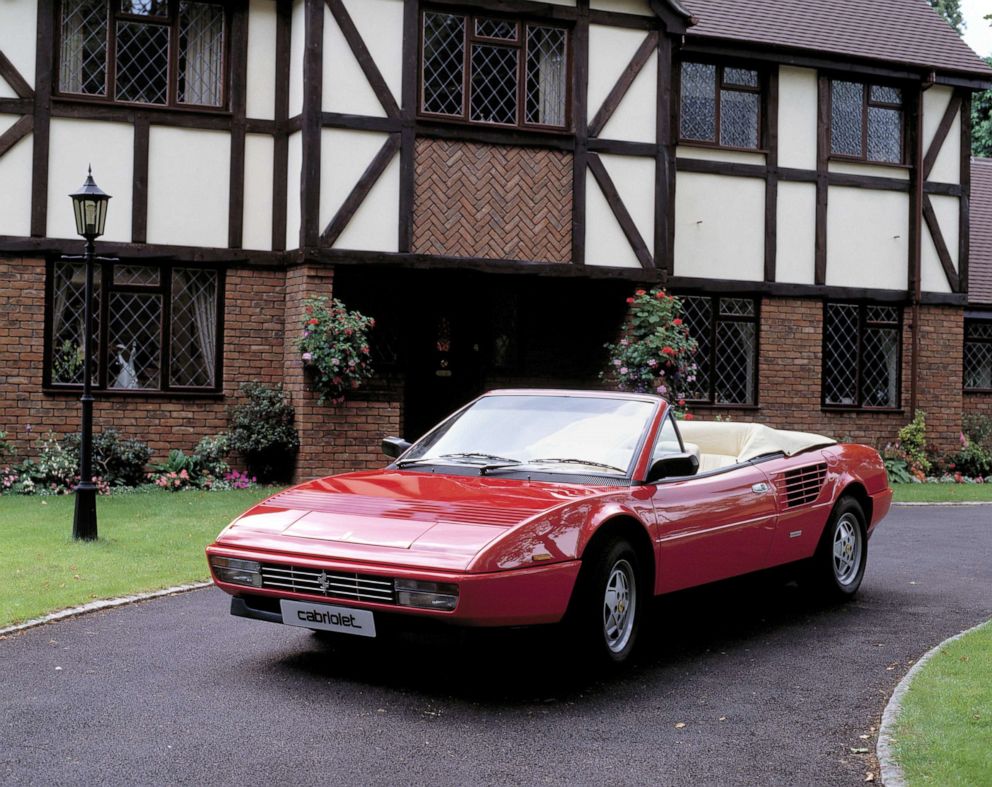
(109, 148)
(947, 168)
(610, 50)
(720, 227)
(257, 225)
(797, 91)
(867, 238)
(345, 88)
(345, 155)
(795, 257)
(18, 31)
(871, 170)
(719, 154)
(15, 178)
(380, 23)
(261, 94)
(639, 7)
(605, 242)
(294, 169)
(932, 278)
(296, 45)
(188, 186)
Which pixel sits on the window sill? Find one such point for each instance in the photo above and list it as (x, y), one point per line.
(977, 391)
(854, 160)
(100, 393)
(696, 143)
(99, 103)
(837, 408)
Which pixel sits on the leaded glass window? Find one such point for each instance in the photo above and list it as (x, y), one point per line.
(726, 332)
(164, 52)
(156, 328)
(978, 355)
(720, 105)
(493, 71)
(862, 344)
(866, 121)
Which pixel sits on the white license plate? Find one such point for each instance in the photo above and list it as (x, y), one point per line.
(358, 622)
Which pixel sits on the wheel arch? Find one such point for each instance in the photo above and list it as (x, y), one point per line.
(629, 528)
(856, 490)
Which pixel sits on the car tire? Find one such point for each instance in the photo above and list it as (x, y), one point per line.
(609, 603)
(839, 564)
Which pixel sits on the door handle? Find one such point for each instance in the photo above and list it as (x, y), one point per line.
(760, 488)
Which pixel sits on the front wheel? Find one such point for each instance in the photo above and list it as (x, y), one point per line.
(839, 564)
(608, 606)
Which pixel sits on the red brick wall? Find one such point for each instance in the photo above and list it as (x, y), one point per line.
(790, 371)
(492, 201)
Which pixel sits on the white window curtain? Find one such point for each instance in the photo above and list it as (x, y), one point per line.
(202, 49)
(546, 56)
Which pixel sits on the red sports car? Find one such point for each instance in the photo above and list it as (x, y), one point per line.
(532, 507)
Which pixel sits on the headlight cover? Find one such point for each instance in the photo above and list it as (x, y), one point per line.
(236, 571)
(426, 595)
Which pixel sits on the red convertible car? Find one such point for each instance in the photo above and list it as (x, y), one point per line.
(533, 507)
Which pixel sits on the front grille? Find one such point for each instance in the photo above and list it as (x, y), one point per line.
(803, 484)
(344, 585)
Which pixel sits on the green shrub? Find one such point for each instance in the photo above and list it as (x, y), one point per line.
(117, 460)
(262, 432)
(913, 441)
(975, 457)
(212, 453)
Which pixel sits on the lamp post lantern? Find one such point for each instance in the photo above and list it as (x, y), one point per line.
(90, 206)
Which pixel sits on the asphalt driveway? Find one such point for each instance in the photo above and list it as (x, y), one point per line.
(770, 687)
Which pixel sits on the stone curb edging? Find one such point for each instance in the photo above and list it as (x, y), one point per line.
(957, 503)
(891, 774)
(96, 606)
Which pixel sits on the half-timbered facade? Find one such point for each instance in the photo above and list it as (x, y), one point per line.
(489, 180)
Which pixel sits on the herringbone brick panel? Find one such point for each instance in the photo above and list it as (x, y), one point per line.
(491, 201)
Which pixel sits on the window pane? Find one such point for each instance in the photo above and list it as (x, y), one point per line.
(879, 367)
(887, 95)
(194, 328)
(698, 106)
(142, 275)
(146, 7)
(496, 28)
(977, 365)
(83, 55)
(135, 340)
(840, 354)
(740, 76)
(697, 314)
(68, 325)
(884, 135)
(546, 76)
(444, 50)
(494, 84)
(142, 63)
(979, 330)
(201, 54)
(738, 119)
(885, 314)
(847, 102)
(736, 307)
(734, 362)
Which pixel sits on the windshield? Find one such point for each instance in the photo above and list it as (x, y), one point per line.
(558, 433)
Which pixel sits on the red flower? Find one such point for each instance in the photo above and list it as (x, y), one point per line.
(676, 321)
(688, 416)
(660, 295)
(667, 351)
(640, 292)
(313, 321)
(630, 300)
(309, 309)
(681, 402)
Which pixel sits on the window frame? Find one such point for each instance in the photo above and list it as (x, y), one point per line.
(100, 384)
(115, 14)
(719, 84)
(968, 322)
(863, 325)
(866, 103)
(717, 318)
(521, 21)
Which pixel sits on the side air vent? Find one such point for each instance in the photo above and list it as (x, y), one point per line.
(802, 485)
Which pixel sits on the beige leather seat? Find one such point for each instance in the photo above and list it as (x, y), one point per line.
(725, 443)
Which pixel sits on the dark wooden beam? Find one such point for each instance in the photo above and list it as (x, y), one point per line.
(952, 111)
(359, 122)
(622, 147)
(620, 211)
(44, 46)
(771, 180)
(822, 179)
(364, 58)
(664, 166)
(580, 118)
(943, 254)
(361, 190)
(313, 40)
(964, 203)
(408, 111)
(139, 194)
(647, 48)
(16, 106)
(239, 111)
(280, 143)
(13, 78)
(16, 133)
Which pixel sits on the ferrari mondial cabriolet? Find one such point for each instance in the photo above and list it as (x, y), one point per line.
(534, 507)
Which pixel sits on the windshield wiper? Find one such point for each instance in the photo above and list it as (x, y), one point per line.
(569, 461)
(501, 461)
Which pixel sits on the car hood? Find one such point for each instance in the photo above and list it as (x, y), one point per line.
(422, 519)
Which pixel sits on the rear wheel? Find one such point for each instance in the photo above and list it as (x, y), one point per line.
(839, 564)
(609, 602)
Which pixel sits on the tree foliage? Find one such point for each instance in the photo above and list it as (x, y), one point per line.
(951, 11)
(981, 122)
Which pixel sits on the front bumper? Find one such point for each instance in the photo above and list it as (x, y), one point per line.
(521, 597)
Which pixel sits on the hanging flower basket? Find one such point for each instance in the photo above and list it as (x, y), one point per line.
(334, 348)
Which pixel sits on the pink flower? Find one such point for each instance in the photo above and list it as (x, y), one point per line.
(623, 370)
(307, 357)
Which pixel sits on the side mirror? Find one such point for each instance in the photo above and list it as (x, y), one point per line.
(394, 447)
(672, 466)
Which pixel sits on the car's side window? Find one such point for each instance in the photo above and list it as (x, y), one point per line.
(669, 441)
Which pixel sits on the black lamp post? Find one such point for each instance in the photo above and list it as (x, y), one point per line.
(90, 206)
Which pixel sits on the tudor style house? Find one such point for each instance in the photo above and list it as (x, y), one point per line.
(489, 179)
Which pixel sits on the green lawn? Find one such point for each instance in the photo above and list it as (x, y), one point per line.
(943, 735)
(147, 542)
(942, 493)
